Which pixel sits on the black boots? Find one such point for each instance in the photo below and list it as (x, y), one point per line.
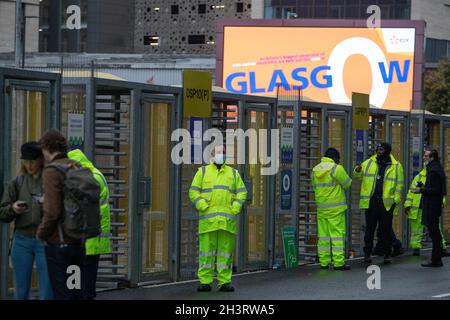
(204, 288)
(226, 287)
(342, 268)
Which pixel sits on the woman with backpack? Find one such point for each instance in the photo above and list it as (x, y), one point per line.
(21, 203)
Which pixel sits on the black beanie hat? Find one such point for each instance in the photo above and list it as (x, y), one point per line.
(386, 146)
(30, 151)
(332, 153)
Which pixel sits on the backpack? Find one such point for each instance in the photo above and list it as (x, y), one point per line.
(81, 202)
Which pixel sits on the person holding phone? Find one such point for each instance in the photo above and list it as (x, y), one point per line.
(21, 204)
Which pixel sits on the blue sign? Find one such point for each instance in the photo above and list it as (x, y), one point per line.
(287, 145)
(359, 146)
(286, 189)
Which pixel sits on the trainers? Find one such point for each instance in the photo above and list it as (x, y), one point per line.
(324, 267)
(342, 268)
(227, 287)
(204, 288)
(416, 252)
(433, 264)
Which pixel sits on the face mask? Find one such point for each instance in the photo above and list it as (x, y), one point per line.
(218, 158)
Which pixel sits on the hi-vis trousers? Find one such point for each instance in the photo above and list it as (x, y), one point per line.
(415, 241)
(331, 242)
(216, 250)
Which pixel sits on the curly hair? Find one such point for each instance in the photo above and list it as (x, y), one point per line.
(54, 141)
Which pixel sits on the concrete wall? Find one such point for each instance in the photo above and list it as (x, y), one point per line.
(8, 28)
(154, 18)
(257, 9)
(436, 15)
(110, 26)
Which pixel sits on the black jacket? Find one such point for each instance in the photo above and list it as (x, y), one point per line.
(435, 188)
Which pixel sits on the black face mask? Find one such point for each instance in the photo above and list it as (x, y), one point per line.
(336, 161)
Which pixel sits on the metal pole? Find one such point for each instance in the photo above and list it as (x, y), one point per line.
(20, 41)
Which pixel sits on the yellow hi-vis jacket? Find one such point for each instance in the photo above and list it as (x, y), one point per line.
(218, 195)
(329, 180)
(413, 199)
(393, 183)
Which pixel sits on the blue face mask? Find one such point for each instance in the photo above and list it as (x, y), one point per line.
(218, 158)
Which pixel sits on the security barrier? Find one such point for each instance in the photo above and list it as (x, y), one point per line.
(127, 130)
(29, 104)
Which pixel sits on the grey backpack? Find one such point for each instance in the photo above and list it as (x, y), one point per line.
(81, 213)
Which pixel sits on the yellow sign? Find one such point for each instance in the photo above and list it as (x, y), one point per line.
(197, 93)
(360, 103)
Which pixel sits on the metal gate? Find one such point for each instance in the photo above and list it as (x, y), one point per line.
(310, 141)
(111, 155)
(29, 104)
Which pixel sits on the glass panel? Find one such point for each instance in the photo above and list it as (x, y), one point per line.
(157, 166)
(336, 136)
(432, 132)
(256, 210)
(398, 145)
(28, 123)
(73, 100)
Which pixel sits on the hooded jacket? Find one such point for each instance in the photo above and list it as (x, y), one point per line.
(329, 181)
(102, 243)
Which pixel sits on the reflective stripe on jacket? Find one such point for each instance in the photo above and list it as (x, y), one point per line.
(393, 183)
(218, 195)
(329, 180)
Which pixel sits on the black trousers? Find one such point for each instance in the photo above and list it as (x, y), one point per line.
(436, 238)
(377, 214)
(62, 263)
(90, 276)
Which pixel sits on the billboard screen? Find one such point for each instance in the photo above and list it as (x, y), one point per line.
(326, 63)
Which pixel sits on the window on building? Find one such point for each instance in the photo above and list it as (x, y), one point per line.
(352, 12)
(305, 12)
(196, 39)
(152, 40)
(402, 10)
(336, 12)
(277, 13)
(202, 8)
(436, 49)
(386, 12)
(239, 7)
(174, 9)
(289, 13)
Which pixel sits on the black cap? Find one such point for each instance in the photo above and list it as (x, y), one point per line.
(386, 146)
(332, 153)
(31, 151)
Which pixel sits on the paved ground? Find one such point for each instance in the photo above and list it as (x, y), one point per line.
(403, 279)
